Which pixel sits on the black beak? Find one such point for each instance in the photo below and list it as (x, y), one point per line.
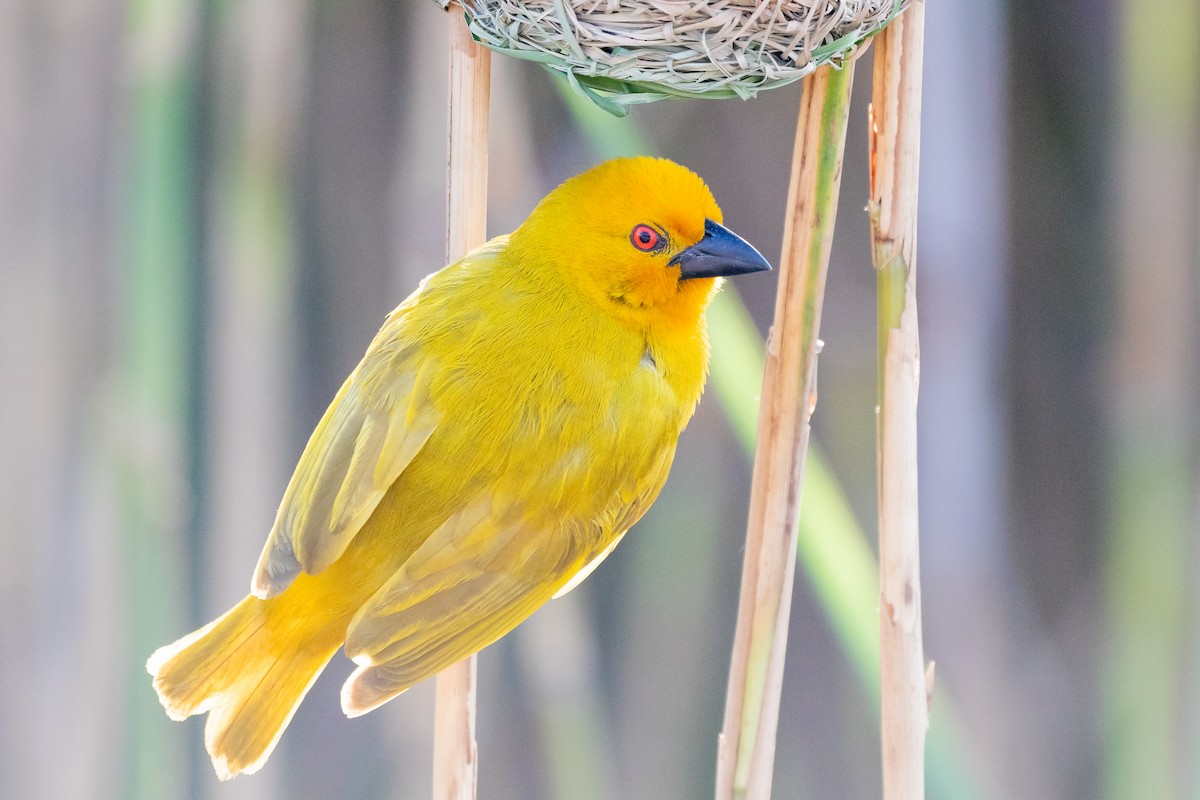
(720, 253)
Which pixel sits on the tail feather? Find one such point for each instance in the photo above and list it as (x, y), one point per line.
(247, 674)
(242, 730)
(189, 673)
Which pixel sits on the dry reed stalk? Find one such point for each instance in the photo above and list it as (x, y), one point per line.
(746, 749)
(455, 753)
(895, 153)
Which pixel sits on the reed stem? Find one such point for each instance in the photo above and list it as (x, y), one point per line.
(895, 153)
(746, 749)
(455, 753)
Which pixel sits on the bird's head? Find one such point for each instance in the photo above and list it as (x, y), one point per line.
(641, 236)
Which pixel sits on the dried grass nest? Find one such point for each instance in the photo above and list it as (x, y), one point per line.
(620, 52)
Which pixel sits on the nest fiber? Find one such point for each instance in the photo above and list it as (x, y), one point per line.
(620, 52)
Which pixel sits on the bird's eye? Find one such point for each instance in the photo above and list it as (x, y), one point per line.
(647, 239)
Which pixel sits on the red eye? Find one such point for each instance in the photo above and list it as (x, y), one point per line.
(646, 239)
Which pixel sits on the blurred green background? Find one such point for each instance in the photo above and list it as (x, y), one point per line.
(206, 209)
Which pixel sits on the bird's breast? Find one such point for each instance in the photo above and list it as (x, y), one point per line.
(558, 401)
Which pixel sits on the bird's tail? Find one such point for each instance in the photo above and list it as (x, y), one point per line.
(249, 669)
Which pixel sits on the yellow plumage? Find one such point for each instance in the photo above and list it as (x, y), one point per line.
(507, 425)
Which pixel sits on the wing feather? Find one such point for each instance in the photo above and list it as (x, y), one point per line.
(378, 422)
(476, 578)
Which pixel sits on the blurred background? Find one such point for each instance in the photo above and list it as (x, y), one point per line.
(207, 208)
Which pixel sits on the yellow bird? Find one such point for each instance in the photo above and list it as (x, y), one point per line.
(508, 424)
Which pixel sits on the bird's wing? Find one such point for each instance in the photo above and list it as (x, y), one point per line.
(379, 420)
(478, 576)
(627, 508)
(473, 580)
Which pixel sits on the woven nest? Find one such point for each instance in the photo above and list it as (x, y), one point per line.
(620, 52)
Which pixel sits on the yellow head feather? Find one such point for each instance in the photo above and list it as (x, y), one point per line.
(583, 231)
